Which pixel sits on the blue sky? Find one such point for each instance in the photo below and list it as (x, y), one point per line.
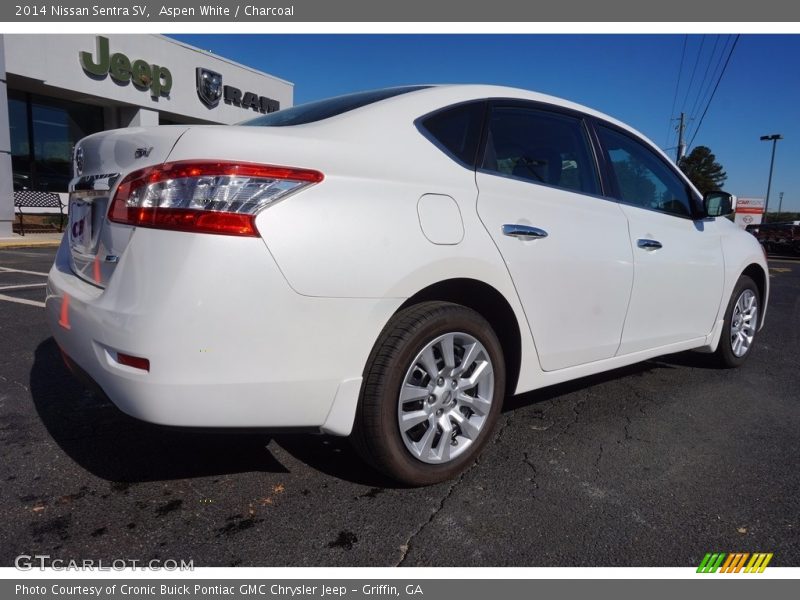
(630, 77)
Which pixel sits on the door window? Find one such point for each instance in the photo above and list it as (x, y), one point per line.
(643, 179)
(540, 147)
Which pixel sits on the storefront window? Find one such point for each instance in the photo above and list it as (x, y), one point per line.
(43, 133)
(20, 142)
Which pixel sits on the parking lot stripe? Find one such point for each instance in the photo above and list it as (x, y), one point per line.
(10, 270)
(23, 286)
(22, 301)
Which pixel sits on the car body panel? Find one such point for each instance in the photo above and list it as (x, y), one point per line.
(100, 159)
(741, 250)
(678, 287)
(575, 283)
(277, 332)
(211, 319)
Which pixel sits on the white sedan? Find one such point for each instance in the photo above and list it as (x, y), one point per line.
(389, 265)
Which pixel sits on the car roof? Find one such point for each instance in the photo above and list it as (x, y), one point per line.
(418, 100)
(432, 97)
(403, 109)
(436, 96)
(448, 93)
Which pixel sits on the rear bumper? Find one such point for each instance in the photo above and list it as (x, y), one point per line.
(229, 343)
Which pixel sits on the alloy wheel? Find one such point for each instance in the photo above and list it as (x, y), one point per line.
(445, 398)
(744, 321)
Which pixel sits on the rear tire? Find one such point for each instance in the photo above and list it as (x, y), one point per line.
(433, 389)
(741, 324)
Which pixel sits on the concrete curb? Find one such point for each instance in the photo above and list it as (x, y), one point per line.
(23, 243)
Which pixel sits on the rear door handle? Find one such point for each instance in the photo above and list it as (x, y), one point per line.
(648, 244)
(524, 232)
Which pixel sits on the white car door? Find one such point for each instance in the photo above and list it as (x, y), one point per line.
(678, 263)
(565, 246)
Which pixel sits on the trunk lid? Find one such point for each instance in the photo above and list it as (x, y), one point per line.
(100, 162)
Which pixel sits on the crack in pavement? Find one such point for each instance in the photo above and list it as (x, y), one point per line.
(628, 436)
(405, 548)
(597, 460)
(527, 460)
(576, 415)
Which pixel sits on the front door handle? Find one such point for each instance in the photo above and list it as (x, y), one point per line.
(648, 244)
(524, 232)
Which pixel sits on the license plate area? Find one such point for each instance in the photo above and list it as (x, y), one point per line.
(86, 217)
(81, 226)
(86, 234)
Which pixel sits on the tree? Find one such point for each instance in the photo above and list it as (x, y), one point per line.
(702, 168)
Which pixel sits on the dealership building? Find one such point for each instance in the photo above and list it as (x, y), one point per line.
(56, 89)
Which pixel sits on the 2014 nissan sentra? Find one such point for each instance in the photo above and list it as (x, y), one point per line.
(389, 265)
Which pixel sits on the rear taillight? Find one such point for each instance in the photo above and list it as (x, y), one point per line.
(204, 196)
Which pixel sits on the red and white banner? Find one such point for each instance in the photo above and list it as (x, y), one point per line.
(749, 211)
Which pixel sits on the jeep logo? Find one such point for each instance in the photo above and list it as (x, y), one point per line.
(144, 76)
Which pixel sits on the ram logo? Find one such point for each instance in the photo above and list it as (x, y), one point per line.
(209, 87)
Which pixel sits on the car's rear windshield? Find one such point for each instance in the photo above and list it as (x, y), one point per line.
(325, 109)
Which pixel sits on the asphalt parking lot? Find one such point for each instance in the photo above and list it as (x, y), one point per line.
(651, 465)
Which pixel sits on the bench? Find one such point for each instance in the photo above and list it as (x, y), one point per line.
(32, 199)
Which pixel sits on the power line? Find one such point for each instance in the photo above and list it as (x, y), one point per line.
(724, 68)
(677, 85)
(714, 74)
(705, 76)
(694, 70)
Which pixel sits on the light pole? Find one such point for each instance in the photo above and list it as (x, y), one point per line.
(780, 204)
(766, 138)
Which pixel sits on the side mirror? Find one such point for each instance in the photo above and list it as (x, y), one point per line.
(719, 204)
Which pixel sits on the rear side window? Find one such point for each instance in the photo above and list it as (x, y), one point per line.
(325, 109)
(457, 130)
(541, 147)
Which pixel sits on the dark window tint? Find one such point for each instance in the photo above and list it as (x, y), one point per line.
(458, 130)
(325, 109)
(643, 177)
(43, 132)
(20, 141)
(541, 147)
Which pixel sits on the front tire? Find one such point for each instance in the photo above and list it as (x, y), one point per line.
(433, 389)
(741, 324)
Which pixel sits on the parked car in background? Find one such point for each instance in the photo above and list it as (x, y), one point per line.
(779, 238)
(390, 265)
(752, 228)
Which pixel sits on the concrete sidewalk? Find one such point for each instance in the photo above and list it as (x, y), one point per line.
(31, 240)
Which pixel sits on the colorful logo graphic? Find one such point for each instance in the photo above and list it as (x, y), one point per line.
(734, 562)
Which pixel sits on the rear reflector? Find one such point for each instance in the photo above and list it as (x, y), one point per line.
(63, 318)
(205, 196)
(133, 361)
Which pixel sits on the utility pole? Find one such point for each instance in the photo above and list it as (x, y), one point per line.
(780, 204)
(774, 139)
(681, 141)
